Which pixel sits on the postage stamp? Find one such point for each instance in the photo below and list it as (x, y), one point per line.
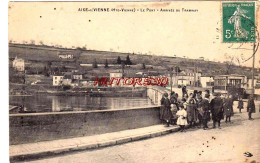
(238, 22)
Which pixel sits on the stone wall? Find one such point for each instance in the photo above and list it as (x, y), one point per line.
(35, 127)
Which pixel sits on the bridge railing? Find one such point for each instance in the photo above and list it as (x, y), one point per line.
(155, 94)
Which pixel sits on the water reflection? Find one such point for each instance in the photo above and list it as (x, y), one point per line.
(76, 103)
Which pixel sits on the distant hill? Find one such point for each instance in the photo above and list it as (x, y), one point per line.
(39, 53)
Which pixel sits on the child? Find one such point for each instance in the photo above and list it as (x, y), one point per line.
(182, 117)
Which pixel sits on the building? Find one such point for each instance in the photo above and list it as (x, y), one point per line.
(66, 56)
(57, 79)
(225, 82)
(116, 75)
(77, 76)
(207, 81)
(185, 79)
(67, 79)
(18, 64)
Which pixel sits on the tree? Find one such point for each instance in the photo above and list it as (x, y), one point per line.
(32, 42)
(84, 47)
(41, 43)
(94, 65)
(143, 66)
(128, 61)
(177, 69)
(229, 64)
(106, 64)
(45, 71)
(118, 60)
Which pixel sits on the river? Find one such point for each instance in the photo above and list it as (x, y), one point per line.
(43, 103)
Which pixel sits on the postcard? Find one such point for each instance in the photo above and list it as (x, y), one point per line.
(168, 81)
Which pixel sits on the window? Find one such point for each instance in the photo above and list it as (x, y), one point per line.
(55, 78)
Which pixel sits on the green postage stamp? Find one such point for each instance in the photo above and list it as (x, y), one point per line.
(238, 22)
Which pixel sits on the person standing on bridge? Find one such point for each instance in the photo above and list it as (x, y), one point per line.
(174, 107)
(184, 91)
(240, 104)
(250, 107)
(165, 110)
(228, 108)
(216, 106)
(182, 118)
(192, 110)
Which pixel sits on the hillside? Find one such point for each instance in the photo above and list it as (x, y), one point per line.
(36, 53)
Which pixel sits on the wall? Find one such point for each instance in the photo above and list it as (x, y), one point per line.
(35, 127)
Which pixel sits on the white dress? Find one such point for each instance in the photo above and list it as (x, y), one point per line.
(182, 114)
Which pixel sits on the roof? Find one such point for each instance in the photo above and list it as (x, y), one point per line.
(65, 54)
(57, 75)
(67, 76)
(77, 73)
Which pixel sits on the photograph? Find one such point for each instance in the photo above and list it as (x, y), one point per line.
(147, 81)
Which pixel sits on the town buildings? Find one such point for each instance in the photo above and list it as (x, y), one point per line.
(57, 79)
(66, 56)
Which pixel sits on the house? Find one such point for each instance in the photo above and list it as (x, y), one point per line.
(57, 79)
(182, 82)
(185, 78)
(224, 82)
(67, 79)
(66, 56)
(77, 76)
(18, 64)
(249, 82)
(116, 75)
(207, 81)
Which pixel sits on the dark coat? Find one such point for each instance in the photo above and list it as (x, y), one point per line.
(216, 106)
(165, 110)
(240, 104)
(228, 107)
(173, 99)
(251, 106)
(192, 113)
(203, 108)
(162, 108)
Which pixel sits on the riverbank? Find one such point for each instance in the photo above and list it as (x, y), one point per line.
(29, 90)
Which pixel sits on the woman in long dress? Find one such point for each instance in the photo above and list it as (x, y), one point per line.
(192, 110)
(165, 110)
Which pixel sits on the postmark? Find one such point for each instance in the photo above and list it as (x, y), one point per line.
(238, 22)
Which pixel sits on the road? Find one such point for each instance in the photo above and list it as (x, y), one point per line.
(227, 144)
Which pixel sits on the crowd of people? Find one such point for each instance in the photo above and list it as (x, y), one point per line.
(194, 110)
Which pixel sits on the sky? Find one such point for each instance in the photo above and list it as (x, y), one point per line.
(190, 34)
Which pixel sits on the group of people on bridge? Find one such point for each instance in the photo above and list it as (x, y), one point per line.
(194, 110)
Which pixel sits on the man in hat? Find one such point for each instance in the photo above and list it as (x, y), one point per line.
(228, 108)
(250, 107)
(216, 106)
(204, 111)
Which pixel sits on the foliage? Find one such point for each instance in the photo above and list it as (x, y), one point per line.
(118, 60)
(143, 66)
(106, 64)
(94, 65)
(128, 61)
